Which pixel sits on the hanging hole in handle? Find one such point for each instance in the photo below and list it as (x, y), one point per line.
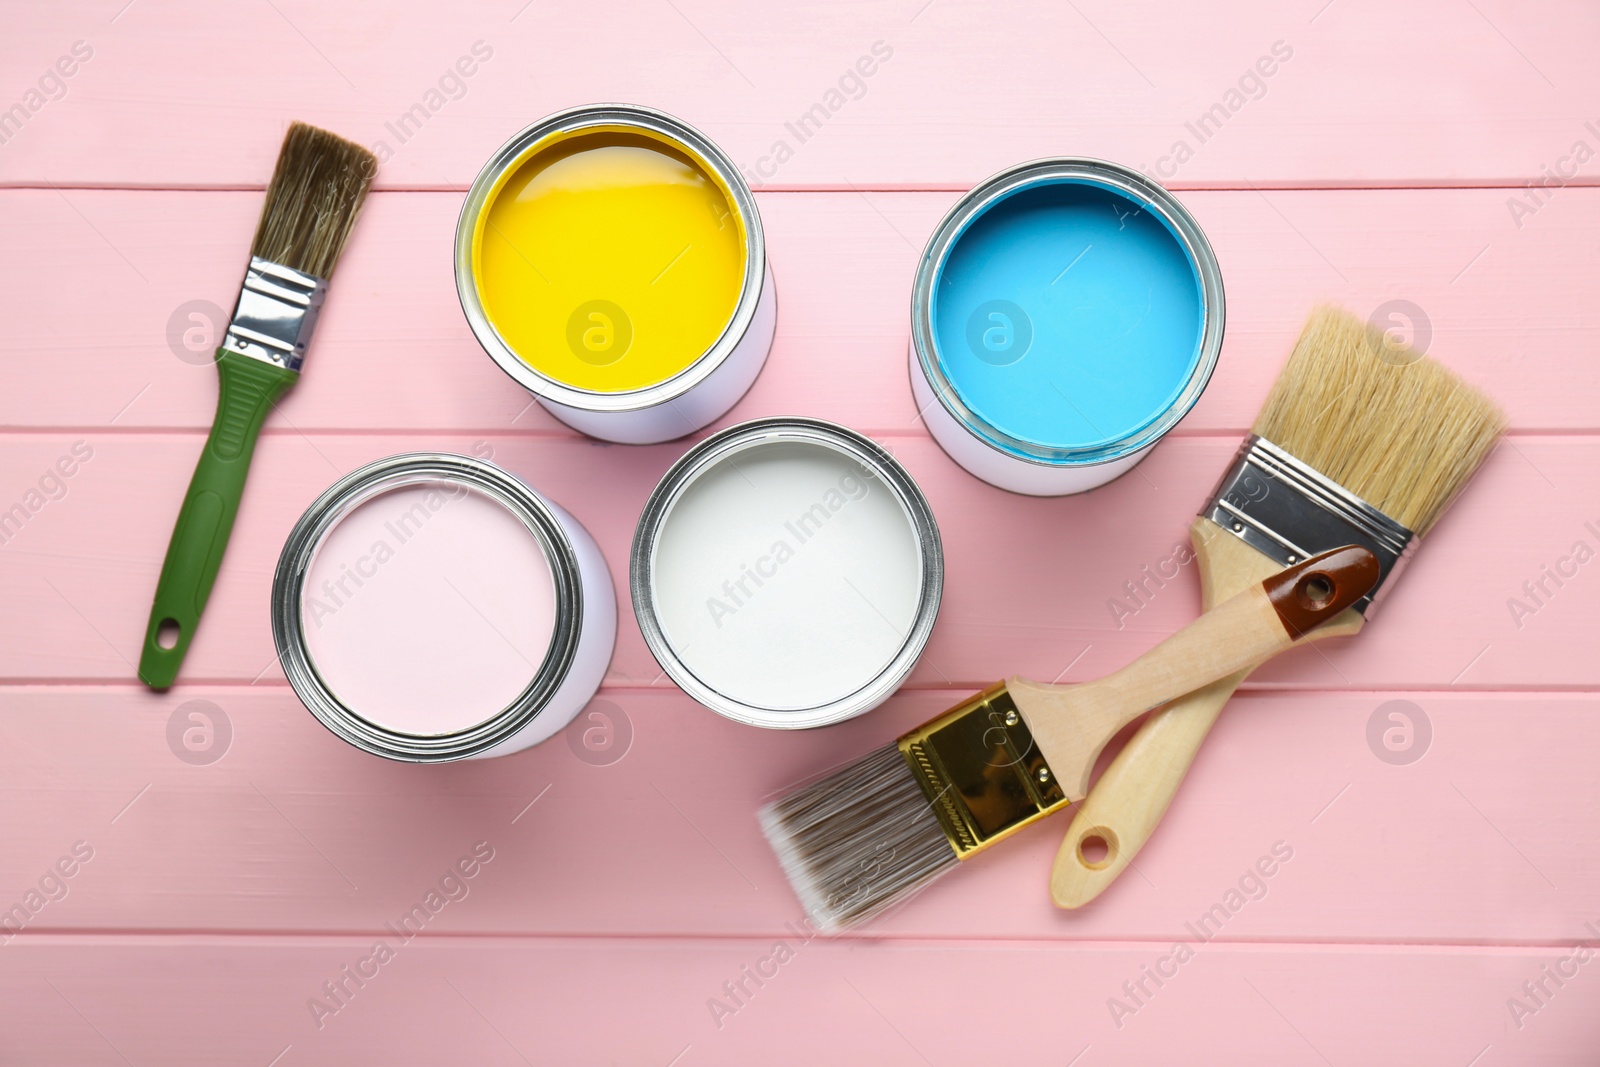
(1097, 848)
(1315, 591)
(167, 634)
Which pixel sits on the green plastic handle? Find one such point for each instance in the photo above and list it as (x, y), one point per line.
(248, 389)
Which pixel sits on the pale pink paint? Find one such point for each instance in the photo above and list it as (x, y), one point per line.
(1420, 898)
(428, 609)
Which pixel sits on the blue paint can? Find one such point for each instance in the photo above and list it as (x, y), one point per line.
(1066, 314)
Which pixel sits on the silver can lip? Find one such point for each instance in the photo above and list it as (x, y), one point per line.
(701, 458)
(349, 493)
(1082, 169)
(707, 153)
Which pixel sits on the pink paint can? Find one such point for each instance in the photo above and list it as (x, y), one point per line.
(433, 607)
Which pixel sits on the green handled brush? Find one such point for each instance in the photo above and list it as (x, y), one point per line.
(316, 191)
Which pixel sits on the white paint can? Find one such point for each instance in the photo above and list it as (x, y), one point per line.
(787, 572)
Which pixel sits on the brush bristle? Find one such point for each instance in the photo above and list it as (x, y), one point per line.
(859, 841)
(316, 191)
(1395, 428)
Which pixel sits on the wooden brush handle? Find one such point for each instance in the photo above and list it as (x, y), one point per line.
(1072, 723)
(1133, 793)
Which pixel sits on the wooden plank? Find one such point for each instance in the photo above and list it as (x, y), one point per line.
(243, 1001)
(968, 87)
(1503, 305)
(80, 572)
(1411, 905)
(1487, 838)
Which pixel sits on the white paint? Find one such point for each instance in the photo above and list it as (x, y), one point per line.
(787, 576)
(428, 609)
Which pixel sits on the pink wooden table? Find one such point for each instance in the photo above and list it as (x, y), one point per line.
(1427, 904)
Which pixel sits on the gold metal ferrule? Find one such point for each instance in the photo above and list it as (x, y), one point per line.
(982, 772)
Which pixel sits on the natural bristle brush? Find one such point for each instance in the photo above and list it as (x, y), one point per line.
(312, 202)
(1361, 441)
(869, 835)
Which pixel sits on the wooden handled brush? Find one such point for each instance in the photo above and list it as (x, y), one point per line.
(867, 836)
(1361, 441)
(316, 191)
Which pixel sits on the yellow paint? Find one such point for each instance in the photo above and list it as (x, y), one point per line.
(609, 260)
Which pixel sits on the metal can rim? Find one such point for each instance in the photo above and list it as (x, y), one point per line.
(737, 438)
(685, 136)
(1137, 187)
(350, 492)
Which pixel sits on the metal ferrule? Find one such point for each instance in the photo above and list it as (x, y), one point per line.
(276, 313)
(1289, 511)
(981, 771)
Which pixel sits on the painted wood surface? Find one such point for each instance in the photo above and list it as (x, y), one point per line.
(292, 832)
(1418, 911)
(1308, 92)
(646, 1001)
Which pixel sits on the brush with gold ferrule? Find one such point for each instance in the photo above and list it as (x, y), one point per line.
(874, 832)
(312, 202)
(1361, 441)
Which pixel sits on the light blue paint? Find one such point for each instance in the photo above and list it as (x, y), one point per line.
(1068, 316)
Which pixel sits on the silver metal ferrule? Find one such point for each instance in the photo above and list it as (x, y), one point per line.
(1289, 511)
(276, 314)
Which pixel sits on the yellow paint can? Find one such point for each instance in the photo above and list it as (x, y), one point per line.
(611, 259)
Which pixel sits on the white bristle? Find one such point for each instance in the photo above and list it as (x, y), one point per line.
(858, 842)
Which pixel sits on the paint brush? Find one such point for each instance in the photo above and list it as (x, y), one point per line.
(1361, 441)
(312, 202)
(872, 833)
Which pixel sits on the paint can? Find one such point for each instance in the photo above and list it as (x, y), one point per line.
(611, 260)
(786, 573)
(432, 607)
(1066, 314)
